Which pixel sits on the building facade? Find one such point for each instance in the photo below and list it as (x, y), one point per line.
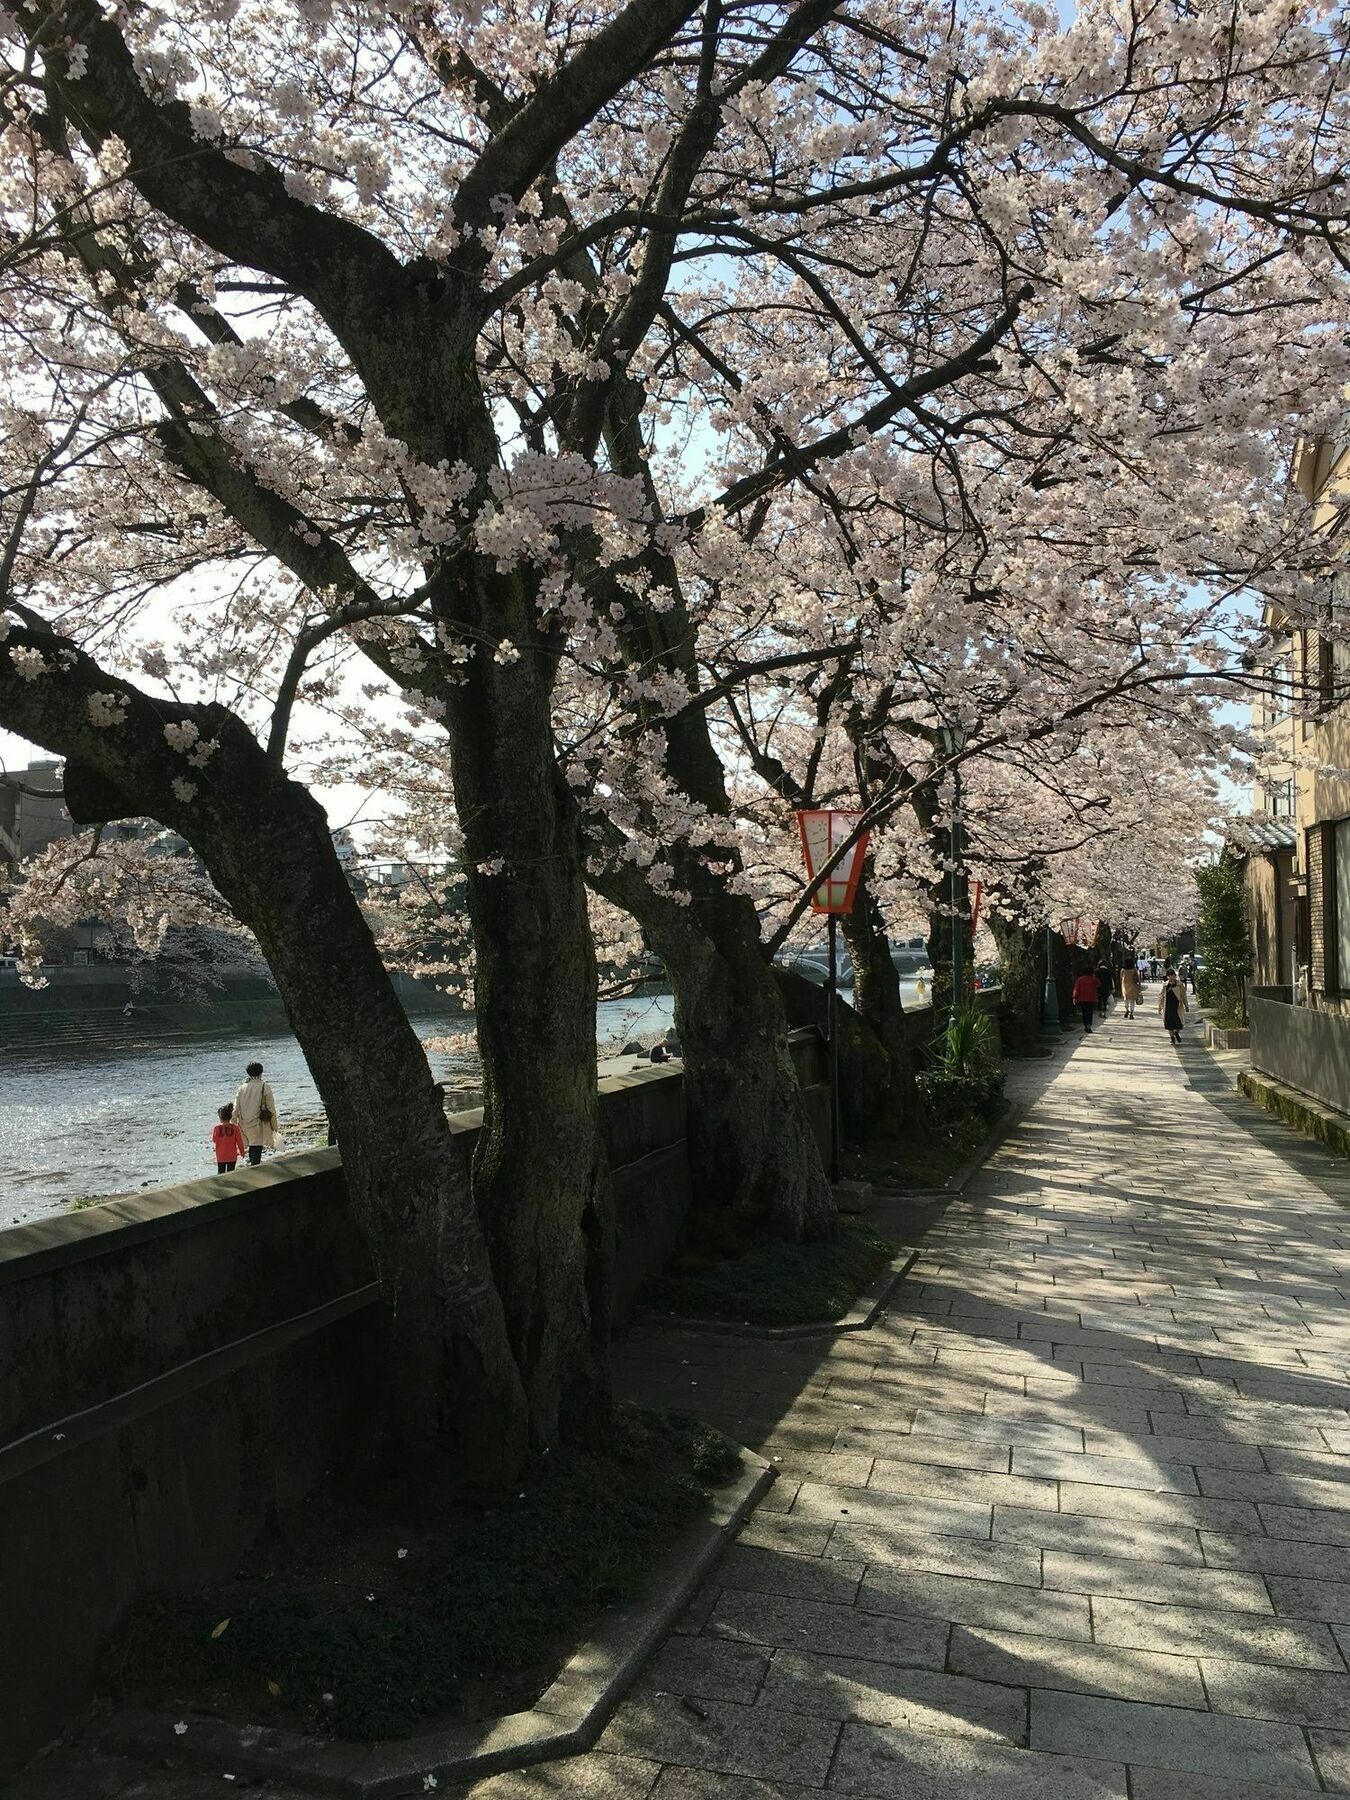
(1297, 841)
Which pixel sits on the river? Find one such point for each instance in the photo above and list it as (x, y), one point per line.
(78, 1121)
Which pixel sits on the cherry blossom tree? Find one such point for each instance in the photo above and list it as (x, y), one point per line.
(485, 340)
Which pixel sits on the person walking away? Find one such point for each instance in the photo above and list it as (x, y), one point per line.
(1085, 993)
(1172, 1005)
(227, 1141)
(255, 1112)
(1105, 985)
(1129, 988)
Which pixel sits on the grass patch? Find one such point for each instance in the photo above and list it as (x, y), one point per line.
(924, 1159)
(770, 1282)
(370, 1621)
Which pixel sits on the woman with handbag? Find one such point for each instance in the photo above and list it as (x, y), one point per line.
(1172, 1006)
(255, 1112)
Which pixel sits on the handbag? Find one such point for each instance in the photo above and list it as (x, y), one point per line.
(264, 1111)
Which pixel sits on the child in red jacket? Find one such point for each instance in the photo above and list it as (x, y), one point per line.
(1086, 993)
(227, 1141)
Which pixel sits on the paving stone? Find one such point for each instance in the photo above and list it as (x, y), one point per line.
(901, 1549)
(960, 1485)
(1332, 1752)
(1108, 1471)
(737, 1740)
(937, 1452)
(1194, 1631)
(929, 1422)
(969, 1602)
(885, 1506)
(882, 1694)
(1160, 1509)
(704, 1784)
(1026, 1661)
(593, 1777)
(1302, 1696)
(1169, 1737)
(797, 1533)
(906, 1765)
(830, 1630)
(756, 1570)
(1173, 1784)
(1306, 1524)
(1277, 1556)
(1277, 1487)
(1164, 1582)
(1298, 1599)
(1165, 1447)
(1096, 1536)
(709, 1667)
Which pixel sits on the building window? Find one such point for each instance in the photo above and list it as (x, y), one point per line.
(1280, 799)
(1278, 701)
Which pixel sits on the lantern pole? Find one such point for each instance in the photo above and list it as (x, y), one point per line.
(834, 1050)
(1050, 1001)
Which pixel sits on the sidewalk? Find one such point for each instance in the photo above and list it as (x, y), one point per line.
(1075, 1515)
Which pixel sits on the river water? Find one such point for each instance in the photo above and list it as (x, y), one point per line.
(77, 1121)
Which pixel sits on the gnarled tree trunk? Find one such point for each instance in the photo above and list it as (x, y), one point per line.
(876, 997)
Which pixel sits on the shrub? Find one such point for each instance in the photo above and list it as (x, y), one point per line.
(1221, 931)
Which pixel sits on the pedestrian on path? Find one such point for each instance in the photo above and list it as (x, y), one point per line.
(1105, 985)
(255, 1112)
(1172, 1005)
(1085, 995)
(227, 1141)
(1129, 988)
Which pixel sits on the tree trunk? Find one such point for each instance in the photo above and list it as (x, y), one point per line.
(1023, 954)
(540, 1180)
(751, 1146)
(943, 923)
(455, 1388)
(876, 997)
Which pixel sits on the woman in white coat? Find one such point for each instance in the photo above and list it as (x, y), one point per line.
(255, 1112)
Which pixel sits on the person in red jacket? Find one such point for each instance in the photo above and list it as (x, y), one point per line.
(1086, 993)
(228, 1143)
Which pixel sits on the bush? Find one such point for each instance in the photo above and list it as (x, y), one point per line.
(952, 1095)
(1222, 935)
(967, 1082)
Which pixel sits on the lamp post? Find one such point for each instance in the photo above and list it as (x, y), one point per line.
(953, 740)
(1050, 999)
(824, 831)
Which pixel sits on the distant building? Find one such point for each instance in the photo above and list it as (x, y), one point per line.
(32, 812)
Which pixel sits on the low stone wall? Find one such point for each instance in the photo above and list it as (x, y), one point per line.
(183, 1366)
(1303, 1047)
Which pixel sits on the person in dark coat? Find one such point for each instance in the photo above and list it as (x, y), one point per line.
(1105, 985)
(1172, 1005)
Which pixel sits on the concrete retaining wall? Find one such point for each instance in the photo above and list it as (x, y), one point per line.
(1303, 1047)
(180, 1368)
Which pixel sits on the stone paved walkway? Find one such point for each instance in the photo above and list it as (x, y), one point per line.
(1072, 1523)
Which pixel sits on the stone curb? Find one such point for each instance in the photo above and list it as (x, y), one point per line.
(567, 1717)
(1306, 1115)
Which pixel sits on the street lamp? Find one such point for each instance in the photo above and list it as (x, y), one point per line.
(1050, 999)
(825, 834)
(953, 739)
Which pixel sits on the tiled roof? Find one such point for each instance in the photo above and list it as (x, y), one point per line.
(1258, 833)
